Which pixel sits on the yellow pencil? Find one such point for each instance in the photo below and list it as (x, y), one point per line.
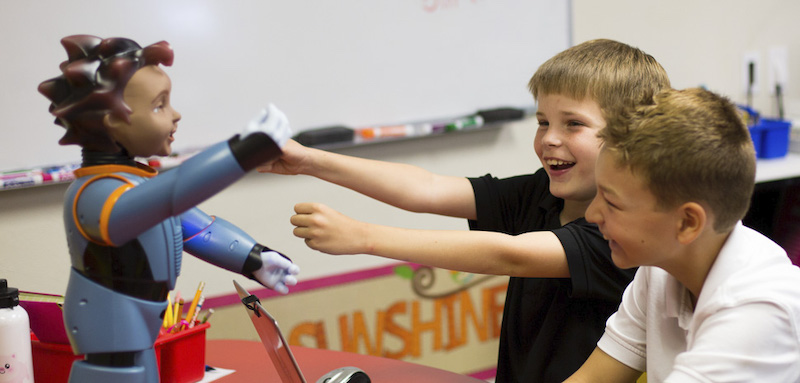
(196, 299)
(168, 313)
(178, 316)
(176, 311)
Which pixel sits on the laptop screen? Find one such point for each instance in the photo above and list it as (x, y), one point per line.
(271, 337)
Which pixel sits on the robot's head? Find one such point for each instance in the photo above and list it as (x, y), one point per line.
(92, 83)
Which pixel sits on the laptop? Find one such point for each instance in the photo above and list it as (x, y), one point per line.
(278, 350)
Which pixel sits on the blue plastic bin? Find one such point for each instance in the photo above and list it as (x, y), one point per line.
(774, 136)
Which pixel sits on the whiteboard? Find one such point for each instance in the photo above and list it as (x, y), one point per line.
(348, 62)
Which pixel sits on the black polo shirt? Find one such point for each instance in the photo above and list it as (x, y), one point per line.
(550, 325)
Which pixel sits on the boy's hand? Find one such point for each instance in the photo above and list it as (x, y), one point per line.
(327, 230)
(290, 162)
(272, 122)
(277, 272)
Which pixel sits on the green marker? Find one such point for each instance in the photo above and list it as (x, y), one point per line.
(468, 122)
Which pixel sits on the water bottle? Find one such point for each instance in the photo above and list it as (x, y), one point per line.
(16, 363)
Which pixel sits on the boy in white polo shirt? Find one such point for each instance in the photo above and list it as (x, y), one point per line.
(714, 301)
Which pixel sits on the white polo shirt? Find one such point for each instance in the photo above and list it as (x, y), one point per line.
(745, 327)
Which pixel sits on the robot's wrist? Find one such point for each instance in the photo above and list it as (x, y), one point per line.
(253, 261)
(253, 150)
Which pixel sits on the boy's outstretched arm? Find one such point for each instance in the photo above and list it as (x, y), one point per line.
(601, 367)
(535, 254)
(404, 186)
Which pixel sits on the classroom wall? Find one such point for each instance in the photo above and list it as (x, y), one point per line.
(703, 43)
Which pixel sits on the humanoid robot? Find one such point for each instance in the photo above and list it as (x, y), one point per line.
(126, 225)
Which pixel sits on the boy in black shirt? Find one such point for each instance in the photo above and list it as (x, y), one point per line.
(564, 284)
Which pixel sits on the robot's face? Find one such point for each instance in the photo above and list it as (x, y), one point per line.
(153, 121)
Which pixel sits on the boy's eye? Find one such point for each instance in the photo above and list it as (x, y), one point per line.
(575, 123)
(544, 123)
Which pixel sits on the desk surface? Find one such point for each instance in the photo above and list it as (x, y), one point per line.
(778, 168)
(252, 364)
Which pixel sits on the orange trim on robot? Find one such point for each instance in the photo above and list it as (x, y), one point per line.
(106, 212)
(141, 170)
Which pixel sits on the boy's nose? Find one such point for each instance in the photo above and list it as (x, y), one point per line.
(551, 138)
(592, 213)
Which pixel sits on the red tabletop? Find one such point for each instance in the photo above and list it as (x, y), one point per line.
(252, 364)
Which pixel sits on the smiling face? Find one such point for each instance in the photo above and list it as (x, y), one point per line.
(567, 145)
(153, 121)
(638, 231)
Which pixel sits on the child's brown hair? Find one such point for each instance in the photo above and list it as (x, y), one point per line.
(690, 145)
(615, 75)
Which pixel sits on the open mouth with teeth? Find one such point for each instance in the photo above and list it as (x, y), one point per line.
(559, 165)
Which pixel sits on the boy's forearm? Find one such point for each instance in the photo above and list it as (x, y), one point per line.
(536, 255)
(401, 185)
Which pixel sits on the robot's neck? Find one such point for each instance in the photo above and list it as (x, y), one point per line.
(92, 158)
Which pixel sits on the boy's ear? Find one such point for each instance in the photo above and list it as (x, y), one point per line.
(693, 219)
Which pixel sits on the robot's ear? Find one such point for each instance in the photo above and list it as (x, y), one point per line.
(111, 122)
(115, 126)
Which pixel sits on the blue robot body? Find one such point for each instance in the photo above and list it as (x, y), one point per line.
(126, 228)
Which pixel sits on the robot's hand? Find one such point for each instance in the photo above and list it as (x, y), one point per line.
(272, 122)
(277, 272)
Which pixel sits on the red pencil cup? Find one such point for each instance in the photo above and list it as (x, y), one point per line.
(181, 357)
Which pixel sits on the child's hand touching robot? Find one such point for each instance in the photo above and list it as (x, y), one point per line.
(273, 123)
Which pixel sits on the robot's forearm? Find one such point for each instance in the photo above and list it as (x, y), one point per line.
(219, 242)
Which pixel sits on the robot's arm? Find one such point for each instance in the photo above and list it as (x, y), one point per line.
(219, 242)
(203, 175)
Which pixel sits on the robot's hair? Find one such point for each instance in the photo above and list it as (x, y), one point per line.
(92, 83)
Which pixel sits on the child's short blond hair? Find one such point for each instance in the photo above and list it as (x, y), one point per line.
(690, 145)
(615, 75)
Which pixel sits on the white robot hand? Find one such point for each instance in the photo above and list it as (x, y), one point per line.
(276, 272)
(272, 122)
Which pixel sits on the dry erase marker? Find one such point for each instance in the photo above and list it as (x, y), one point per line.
(386, 131)
(167, 162)
(209, 313)
(30, 179)
(468, 122)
